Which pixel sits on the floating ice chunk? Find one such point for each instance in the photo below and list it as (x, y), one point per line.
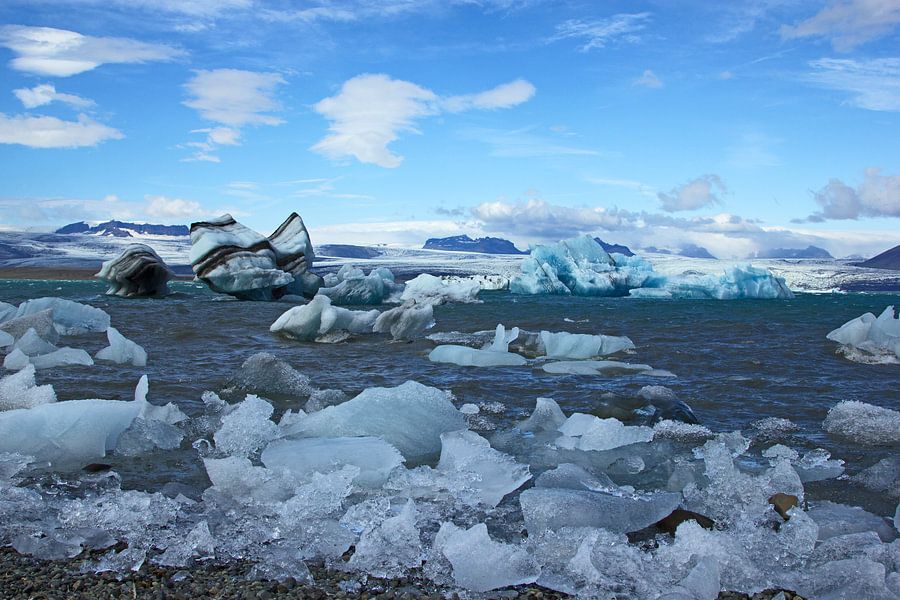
(406, 322)
(121, 350)
(428, 289)
(883, 476)
(495, 355)
(594, 433)
(391, 548)
(269, 376)
(353, 288)
(319, 399)
(702, 583)
(744, 281)
(19, 391)
(546, 416)
(246, 428)
(69, 318)
(863, 423)
(836, 519)
(479, 563)
(16, 360)
(602, 367)
(495, 474)
(137, 271)
(578, 346)
(31, 344)
(869, 339)
(317, 318)
(553, 508)
(63, 357)
(294, 254)
(6, 339)
(410, 417)
(41, 322)
(469, 409)
(374, 457)
(817, 465)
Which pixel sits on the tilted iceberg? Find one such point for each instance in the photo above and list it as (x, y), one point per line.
(870, 339)
(137, 271)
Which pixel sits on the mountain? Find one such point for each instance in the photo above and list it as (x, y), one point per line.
(485, 245)
(655, 250)
(614, 247)
(808, 252)
(124, 229)
(695, 251)
(889, 259)
(347, 251)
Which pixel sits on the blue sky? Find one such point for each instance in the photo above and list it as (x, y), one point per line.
(738, 127)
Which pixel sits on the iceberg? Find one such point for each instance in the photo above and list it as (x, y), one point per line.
(20, 391)
(428, 289)
(319, 320)
(351, 287)
(121, 350)
(373, 457)
(62, 357)
(870, 339)
(269, 376)
(411, 417)
(863, 423)
(479, 563)
(742, 281)
(406, 322)
(31, 344)
(69, 317)
(495, 355)
(137, 271)
(564, 345)
(294, 254)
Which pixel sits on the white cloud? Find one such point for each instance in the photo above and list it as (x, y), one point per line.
(46, 93)
(848, 24)
(697, 193)
(50, 132)
(877, 196)
(874, 83)
(537, 218)
(601, 32)
(163, 207)
(233, 98)
(61, 53)
(648, 80)
(371, 111)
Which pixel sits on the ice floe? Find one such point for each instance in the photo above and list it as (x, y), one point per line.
(320, 321)
(428, 289)
(870, 339)
(350, 286)
(121, 350)
(69, 317)
(495, 355)
(864, 423)
(406, 322)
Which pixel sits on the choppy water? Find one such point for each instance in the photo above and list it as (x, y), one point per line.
(736, 361)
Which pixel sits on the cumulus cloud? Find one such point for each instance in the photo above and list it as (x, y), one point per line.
(698, 193)
(537, 218)
(371, 111)
(50, 132)
(599, 33)
(648, 80)
(877, 196)
(46, 93)
(849, 23)
(232, 98)
(62, 53)
(163, 207)
(873, 84)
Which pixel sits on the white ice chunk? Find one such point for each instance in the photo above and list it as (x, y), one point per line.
(16, 360)
(6, 339)
(546, 416)
(19, 391)
(62, 358)
(406, 322)
(247, 428)
(594, 433)
(602, 367)
(576, 346)
(319, 318)
(869, 339)
(495, 355)
(121, 350)
(374, 457)
(391, 548)
(493, 474)
(410, 417)
(479, 563)
(31, 344)
(238, 478)
(70, 318)
(428, 289)
(864, 423)
(836, 519)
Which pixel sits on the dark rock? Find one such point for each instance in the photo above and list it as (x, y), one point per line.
(783, 503)
(96, 467)
(678, 516)
(124, 229)
(694, 251)
(889, 259)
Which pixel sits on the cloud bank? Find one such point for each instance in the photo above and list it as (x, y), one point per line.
(698, 193)
(876, 196)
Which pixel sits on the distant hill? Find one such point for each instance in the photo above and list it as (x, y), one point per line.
(124, 229)
(808, 252)
(463, 243)
(695, 251)
(347, 251)
(655, 250)
(889, 259)
(610, 248)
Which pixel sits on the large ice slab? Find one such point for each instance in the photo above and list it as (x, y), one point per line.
(495, 355)
(411, 417)
(121, 350)
(481, 564)
(863, 423)
(69, 317)
(576, 346)
(318, 319)
(428, 289)
(374, 457)
(137, 271)
(870, 339)
(490, 473)
(31, 344)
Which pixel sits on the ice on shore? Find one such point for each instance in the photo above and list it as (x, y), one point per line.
(428, 289)
(246, 428)
(411, 417)
(318, 319)
(392, 547)
(587, 432)
(406, 322)
(481, 564)
(121, 350)
(137, 271)
(350, 286)
(575, 346)
(69, 317)
(20, 391)
(602, 367)
(489, 473)
(863, 423)
(495, 355)
(870, 339)
(374, 457)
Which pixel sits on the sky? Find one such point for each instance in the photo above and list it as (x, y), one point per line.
(737, 126)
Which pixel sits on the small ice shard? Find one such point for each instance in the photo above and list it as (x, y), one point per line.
(410, 417)
(351, 287)
(479, 563)
(469, 409)
(571, 476)
(587, 432)
(31, 344)
(869, 338)
(137, 271)
(69, 318)
(578, 346)
(391, 548)
(546, 416)
(374, 457)
(702, 583)
(19, 391)
(553, 508)
(495, 474)
(602, 367)
(836, 519)
(318, 318)
(237, 478)
(247, 428)
(495, 355)
(41, 322)
(16, 360)
(863, 423)
(406, 322)
(269, 376)
(121, 350)
(817, 465)
(62, 358)
(199, 543)
(428, 289)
